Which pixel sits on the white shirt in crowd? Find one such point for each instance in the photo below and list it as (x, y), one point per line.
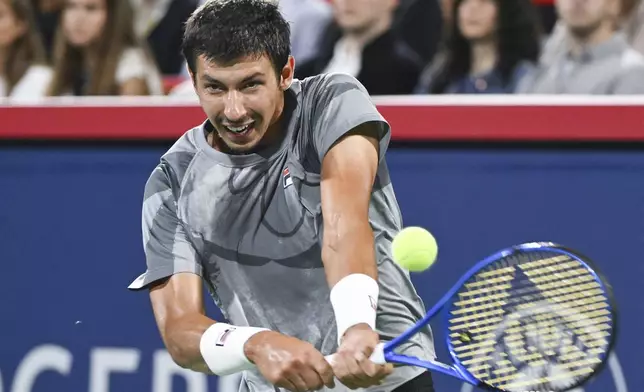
(32, 85)
(135, 64)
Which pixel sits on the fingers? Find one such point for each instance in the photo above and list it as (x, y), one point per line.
(373, 370)
(302, 382)
(287, 384)
(344, 371)
(325, 372)
(307, 374)
(356, 370)
(290, 363)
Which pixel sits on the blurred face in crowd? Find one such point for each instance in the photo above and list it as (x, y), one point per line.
(582, 17)
(84, 21)
(360, 15)
(242, 100)
(477, 19)
(11, 28)
(446, 8)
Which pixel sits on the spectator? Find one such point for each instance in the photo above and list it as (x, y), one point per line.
(362, 43)
(96, 52)
(160, 24)
(631, 23)
(23, 70)
(419, 23)
(491, 46)
(47, 14)
(595, 58)
(308, 20)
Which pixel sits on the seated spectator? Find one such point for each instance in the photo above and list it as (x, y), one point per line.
(160, 24)
(308, 20)
(420, 23)
(361, 43)
(631, 23)
(23, 70)
(595, 57)
(492, 44)
(96, 52)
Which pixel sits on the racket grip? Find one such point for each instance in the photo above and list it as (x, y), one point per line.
(377, 356)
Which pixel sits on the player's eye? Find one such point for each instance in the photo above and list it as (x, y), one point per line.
(252, 85)
(213, 89)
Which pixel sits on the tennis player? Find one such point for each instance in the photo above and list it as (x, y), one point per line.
(282, 204)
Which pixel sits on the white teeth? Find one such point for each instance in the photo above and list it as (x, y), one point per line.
(239, 129)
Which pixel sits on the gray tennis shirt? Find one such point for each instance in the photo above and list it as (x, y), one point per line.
(252, 227)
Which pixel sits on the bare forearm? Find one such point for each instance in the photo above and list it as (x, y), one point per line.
(182, 339)
(348, 248)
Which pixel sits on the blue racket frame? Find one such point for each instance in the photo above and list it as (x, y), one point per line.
(457, 370)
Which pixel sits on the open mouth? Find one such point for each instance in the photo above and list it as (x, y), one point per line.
(240, 129)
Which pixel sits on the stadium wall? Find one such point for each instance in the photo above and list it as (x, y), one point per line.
(480, 174)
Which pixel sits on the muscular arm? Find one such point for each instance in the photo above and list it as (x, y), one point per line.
(348, 173)
(179, 312)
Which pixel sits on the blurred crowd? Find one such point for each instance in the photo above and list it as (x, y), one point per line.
(133, 47)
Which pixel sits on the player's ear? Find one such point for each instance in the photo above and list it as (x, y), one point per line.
(287, 74)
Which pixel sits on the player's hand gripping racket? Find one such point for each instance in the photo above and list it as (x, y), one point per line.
(533, 317)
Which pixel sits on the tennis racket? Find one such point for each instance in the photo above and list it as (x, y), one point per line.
(532, 317)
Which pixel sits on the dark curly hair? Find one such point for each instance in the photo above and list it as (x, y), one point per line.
(518, 35)
(227, 30)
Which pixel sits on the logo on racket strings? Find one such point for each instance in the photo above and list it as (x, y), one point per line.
(540, 348)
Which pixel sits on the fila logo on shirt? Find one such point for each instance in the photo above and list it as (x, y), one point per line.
(222, 338)
(286, 174)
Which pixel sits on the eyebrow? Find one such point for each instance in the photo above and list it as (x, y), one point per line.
(210, 79)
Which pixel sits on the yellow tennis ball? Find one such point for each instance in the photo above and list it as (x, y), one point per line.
(414, 249)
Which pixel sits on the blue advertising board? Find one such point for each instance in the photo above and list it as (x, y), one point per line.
(70, 243)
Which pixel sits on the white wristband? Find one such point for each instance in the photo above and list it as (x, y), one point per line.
(355, 300)
(222, 348)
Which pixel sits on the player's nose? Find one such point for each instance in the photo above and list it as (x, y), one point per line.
(234, 109)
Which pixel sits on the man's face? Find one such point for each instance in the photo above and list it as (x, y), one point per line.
(242, 100)
(582, 17)
(359, 15)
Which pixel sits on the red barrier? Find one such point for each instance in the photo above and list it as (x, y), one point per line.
(453, 118)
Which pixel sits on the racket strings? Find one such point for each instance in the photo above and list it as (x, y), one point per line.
(535, 321)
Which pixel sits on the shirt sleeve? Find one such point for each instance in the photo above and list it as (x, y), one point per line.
(341, 103)
(631, 81)
(132, 64)
(168, 250)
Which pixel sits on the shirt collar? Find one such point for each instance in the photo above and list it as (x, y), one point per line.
(613, 46)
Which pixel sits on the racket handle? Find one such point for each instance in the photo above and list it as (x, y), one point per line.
(377, 356)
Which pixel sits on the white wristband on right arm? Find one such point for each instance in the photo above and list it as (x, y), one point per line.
(354, 299)
(222, 348)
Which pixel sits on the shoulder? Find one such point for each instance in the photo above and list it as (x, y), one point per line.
(132, 64)
(39, 72)
(132, 55)
(136, 63)
(336, 99)
(34, 82)
(174, 164)
(324, 87)
(632, 60)
(630, 79)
